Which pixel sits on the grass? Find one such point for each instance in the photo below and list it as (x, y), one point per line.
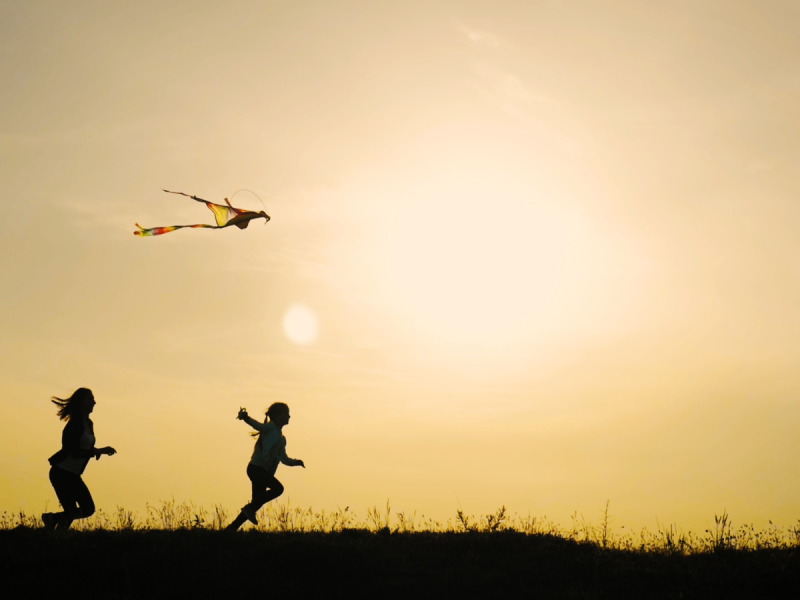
(179, 549)
(170, 515)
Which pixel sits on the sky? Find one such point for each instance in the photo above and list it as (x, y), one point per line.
(540, 254)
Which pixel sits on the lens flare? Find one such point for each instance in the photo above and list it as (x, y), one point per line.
(300, 325)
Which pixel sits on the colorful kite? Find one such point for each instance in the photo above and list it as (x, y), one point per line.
(225, 216)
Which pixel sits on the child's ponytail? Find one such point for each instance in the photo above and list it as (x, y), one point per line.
(275, 409)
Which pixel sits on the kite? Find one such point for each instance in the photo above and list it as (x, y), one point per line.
(224, 215)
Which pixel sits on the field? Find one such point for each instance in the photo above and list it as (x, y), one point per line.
(178, 550)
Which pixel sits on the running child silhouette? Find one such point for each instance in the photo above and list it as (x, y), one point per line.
(270, 449)
(68, 464)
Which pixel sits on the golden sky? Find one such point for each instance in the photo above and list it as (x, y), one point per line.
(551, 249)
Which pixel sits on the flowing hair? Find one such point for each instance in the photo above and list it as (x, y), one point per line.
(72, 405)
(275, 409)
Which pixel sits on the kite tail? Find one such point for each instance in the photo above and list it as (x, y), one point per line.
(162, 230)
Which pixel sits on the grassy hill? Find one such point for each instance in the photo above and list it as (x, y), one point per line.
(181, 552)
(207, 563)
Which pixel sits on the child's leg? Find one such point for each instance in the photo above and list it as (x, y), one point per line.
(237, 522)
(265, 486)
(81, 504)
(73, 495)
(275, 489)
(83, 497)
(256, 475)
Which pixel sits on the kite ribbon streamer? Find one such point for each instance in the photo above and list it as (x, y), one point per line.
(161, 230)
(225, 216)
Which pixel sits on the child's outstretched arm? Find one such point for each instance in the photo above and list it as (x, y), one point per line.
(243, 416)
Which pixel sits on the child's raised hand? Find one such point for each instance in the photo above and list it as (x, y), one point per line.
(242, 414)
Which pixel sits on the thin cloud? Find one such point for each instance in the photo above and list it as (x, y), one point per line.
(30, 140)
(510, 86)
(511, 94)
(125, 134)
(306, 261)
(515, 88)
(99, 214)
(478, 37)
(760, 166)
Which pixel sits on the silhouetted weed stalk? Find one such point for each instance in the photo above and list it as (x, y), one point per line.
(171, 516)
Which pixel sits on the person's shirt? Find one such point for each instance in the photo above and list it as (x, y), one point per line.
(270, 449)
(77, 447)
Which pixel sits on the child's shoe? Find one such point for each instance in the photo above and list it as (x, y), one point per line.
(250, 514)
(50, 520)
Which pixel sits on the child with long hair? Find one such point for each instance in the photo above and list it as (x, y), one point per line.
(270, 449)
(68, 464)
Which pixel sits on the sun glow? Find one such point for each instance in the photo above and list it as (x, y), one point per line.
(471, 259)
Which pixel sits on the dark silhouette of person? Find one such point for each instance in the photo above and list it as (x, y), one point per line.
(68, 464)
(270, 449)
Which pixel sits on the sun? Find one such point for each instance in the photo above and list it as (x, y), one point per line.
(300, 325)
